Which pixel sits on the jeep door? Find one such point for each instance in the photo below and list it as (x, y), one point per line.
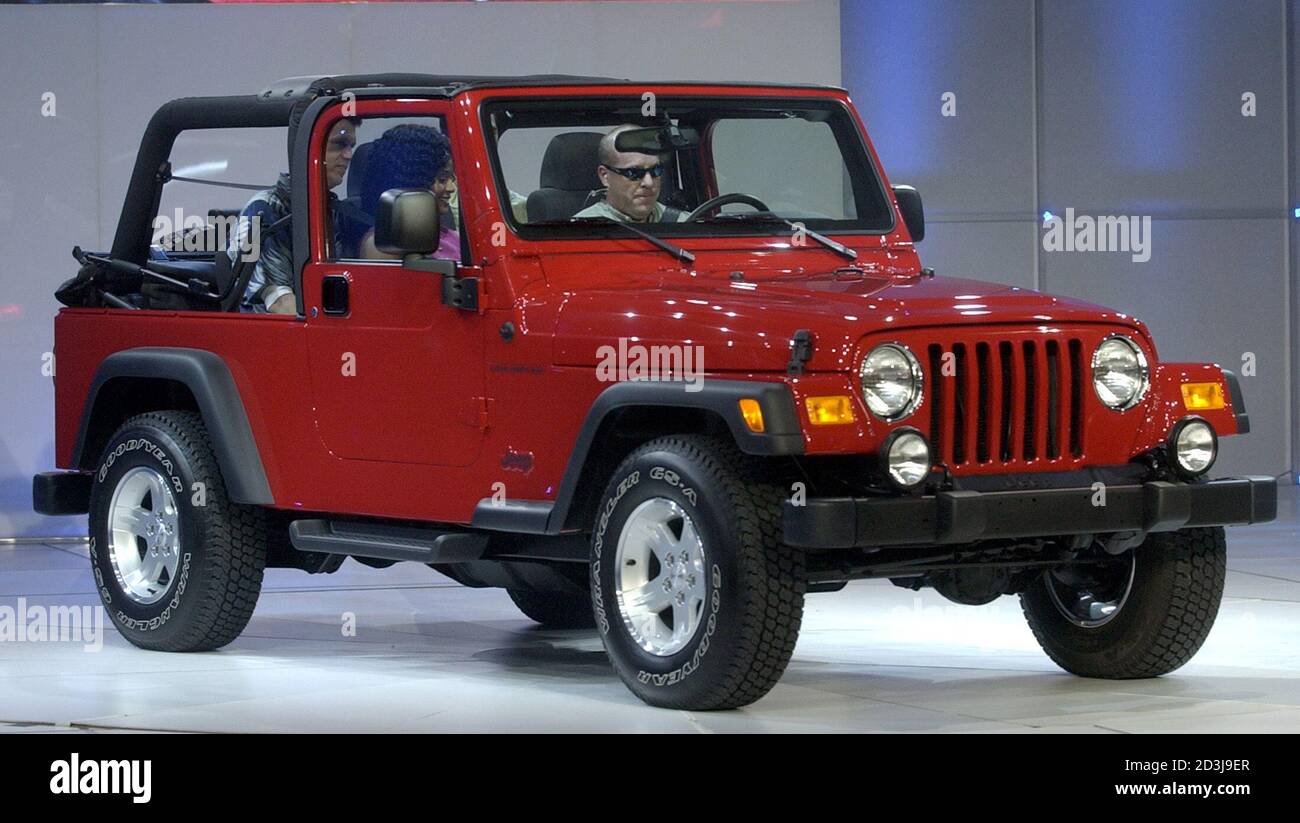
(396, 375)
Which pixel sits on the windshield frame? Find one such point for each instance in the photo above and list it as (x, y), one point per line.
(857, 149)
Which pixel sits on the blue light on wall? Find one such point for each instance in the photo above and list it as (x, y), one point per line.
(1150, 63)
(896, 87)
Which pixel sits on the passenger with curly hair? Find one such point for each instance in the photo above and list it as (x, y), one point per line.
(412, 157)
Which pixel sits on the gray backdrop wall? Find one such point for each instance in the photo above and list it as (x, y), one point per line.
(62, 178)
(1110, 107)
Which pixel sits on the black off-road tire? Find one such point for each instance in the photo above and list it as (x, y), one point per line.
(222, 547)
(755, 584)
(1177, 586)
(555, 610)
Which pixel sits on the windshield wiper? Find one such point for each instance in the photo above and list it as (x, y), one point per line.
(676, 251)
(771, 217)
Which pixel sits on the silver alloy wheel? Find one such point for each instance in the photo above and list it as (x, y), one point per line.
(660, 580)
(1093, 603)
(144, 540)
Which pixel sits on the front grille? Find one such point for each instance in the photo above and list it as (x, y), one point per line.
(1006, 401)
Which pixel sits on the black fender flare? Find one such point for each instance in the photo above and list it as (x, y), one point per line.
(208, 378)
(781, 435)
(1238, 401)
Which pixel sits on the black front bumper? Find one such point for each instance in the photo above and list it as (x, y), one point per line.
(956, 517)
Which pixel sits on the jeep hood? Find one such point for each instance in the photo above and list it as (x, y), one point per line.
(746, 325)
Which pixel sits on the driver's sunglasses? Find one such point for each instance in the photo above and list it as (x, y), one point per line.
(636, 173)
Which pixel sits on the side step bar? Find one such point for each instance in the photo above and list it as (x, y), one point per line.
(385, 542)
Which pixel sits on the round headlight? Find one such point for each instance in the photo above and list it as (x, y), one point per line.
(1193, 447)
(1119, 373)
(891, 381)
(907, 457)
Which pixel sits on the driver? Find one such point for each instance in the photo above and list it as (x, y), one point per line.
(632, 182)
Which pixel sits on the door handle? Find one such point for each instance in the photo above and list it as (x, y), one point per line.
(334, 294)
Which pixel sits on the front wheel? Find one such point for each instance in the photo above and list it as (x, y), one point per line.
(1141, 614)
(695, 598)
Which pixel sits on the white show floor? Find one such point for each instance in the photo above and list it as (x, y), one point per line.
(430, 655)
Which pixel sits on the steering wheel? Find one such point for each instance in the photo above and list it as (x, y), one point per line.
(714, 203)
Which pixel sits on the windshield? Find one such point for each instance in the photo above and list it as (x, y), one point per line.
(682, 166)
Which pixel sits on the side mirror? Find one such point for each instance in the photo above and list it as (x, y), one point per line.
(406, 222)
(909, 203)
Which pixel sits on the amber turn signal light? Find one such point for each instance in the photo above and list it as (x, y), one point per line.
(829, 411)
(1202, 396)
(753, 414)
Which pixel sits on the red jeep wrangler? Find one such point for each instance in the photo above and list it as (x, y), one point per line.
(683, 368)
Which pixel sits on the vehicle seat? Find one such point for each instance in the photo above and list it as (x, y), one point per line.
(351, 203)
(221, 284)
(357, 171)
(210, 275)
(568, 177)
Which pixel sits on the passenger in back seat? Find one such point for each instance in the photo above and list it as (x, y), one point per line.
(271, 287)
(410, 156)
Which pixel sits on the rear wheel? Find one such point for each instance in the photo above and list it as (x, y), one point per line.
(177, 565)
(1142, 614)
(555, 610)
(697, 601)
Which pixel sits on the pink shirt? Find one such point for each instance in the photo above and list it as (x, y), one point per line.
(448, 243)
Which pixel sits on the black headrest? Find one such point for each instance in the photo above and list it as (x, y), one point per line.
(357, 169)
(570, 162)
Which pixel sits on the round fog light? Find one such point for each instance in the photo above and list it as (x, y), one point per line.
(907, 457)
(1194, 447)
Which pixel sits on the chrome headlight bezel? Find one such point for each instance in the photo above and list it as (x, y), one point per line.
(915, 374)
(1140, 362)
